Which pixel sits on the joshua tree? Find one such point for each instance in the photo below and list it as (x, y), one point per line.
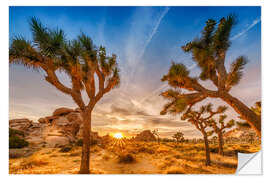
(219, 128)
(199, 119)
(179, 136)
(155, 132)
(209, 52)
(79, 59)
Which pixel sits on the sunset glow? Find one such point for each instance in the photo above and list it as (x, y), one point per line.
(118, 135)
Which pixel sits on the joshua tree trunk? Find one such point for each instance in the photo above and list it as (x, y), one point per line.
(246, 113)
(207, 150)
(84, 169)
(220, 143)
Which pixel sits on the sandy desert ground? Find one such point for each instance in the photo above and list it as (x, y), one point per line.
(133, 158)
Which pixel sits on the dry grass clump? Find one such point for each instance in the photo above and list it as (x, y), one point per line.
(75, 154)
(163, 149)
(126, 159)
(32, 162)
(106, 157)
(65, 149)
(175, 170)
(95, 149)
(146, 150)
(177, 156)
(167, 162)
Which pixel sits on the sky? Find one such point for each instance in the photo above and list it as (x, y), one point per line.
(146, 40)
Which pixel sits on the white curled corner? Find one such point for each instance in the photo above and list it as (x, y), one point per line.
(249, 164)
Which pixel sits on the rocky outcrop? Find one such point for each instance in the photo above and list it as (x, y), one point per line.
(20, 124)
(63, 127)
(245, 135)
(62, 111)
(145, 135)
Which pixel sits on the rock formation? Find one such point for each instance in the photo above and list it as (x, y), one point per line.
(244, 135)
(63, 127)
(145, 135)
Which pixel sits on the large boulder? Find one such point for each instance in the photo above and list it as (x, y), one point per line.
(59, 129)
(62, 111)
(56, 141)
(145, 135)
(20, 124)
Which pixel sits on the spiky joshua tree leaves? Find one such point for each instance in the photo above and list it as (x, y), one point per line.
(209, 53)
(219, 128)
(79, 59)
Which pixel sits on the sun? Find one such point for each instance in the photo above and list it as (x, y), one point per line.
(118, 135)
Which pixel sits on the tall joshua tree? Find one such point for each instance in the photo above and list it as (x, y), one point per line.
(219, 128)
(79, 59)
(209, 53)
(200, 119)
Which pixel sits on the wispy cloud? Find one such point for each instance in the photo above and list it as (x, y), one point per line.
(254, 22)
(154, 31)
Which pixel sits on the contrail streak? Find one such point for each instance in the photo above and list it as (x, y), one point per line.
(256, 21)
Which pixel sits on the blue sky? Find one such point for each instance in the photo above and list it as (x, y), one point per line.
(146, 40)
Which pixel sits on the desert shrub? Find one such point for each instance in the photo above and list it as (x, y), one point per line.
(146, 150)
(33, 161)
(17, 153)
(106, 157)
(17, 142)
(126, 158)
(79, 142)
(75, 154)
(163, 150)
(214, 149)
(95, 149)
(177, 156)
(175, 170)
(65, 149)
(92, 142)
(54, 155)
(14, 132)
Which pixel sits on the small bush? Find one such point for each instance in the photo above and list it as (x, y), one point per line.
(33, 161)
(14, 132)
(214, 150)
(79, 142)
(65, 149)
(146, 150)
(177, 156)
(92, 142)
(16, 142)
(175, 170)
(106, 157)
(17, 153)
(126, 158)
(75, 154)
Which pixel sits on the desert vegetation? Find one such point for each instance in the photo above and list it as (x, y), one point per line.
(108, 158)
(80, 59)
(57, 146)
(209, 52)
